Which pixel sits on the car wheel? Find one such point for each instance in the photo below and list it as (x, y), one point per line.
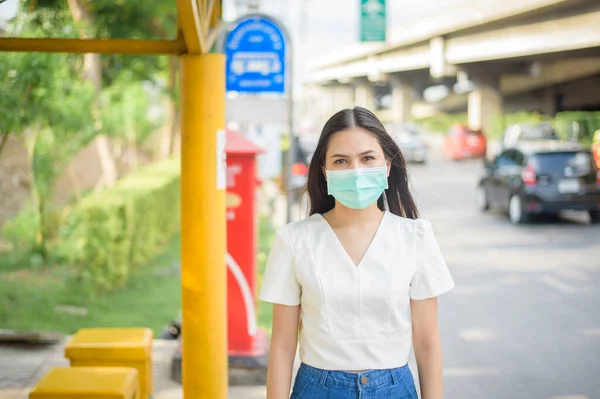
(481, 196)
(595, 217)
(516, 213)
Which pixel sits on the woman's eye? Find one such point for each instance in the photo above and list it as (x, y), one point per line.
(368, 158)
(339, 161)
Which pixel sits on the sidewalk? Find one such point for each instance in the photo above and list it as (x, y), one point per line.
(21, 366)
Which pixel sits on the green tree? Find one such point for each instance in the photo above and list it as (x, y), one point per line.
(149, 20)
(52, 116)
(59, 103)
(116, 19)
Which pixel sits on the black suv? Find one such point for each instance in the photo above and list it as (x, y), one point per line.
(541, 176)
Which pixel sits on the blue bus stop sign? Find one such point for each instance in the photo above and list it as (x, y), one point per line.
(255, 57)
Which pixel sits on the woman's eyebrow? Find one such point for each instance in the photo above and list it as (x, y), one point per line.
(346, 156)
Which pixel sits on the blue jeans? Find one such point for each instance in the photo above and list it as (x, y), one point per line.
(314, 383)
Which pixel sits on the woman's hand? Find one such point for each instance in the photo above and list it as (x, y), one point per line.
(427, 346)
(284, 340)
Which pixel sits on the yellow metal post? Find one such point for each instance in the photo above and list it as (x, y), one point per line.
(203, 224)
(98, 46)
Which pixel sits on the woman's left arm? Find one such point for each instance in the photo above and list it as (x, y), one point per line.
(427, 346)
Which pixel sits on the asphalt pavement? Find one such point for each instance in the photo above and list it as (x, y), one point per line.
(524, 318)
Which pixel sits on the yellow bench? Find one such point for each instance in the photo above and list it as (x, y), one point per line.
(87, 382)
(114, 347)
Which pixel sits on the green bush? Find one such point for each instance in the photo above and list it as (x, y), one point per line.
(579, 125)
(21, 231)
(501, 122)
(108, 234)
(441, 123)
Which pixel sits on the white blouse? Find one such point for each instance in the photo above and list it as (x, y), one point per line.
(355, 317)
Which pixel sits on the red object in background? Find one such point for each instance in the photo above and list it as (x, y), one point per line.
(245, 339)
(464, 143)
(299, 169)
(529, 176)
(596, 152)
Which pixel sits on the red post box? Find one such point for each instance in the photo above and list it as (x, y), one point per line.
(247, 343)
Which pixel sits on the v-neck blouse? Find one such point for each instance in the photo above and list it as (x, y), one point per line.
(355, 317)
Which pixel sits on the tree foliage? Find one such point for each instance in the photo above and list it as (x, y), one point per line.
(45, 99)
(126, 106)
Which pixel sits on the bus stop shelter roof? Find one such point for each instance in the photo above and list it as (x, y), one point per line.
(197, 22)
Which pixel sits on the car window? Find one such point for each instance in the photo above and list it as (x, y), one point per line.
(578, 163)
(518, 158)
(541, 131)
(519, 132)
(505, 159)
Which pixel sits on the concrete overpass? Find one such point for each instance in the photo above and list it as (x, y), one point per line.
(493, 55)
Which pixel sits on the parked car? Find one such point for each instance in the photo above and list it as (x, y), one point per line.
(537, 177)
(528, 131)
(411, 142)
(462, 142)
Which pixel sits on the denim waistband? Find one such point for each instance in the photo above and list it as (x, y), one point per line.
(351, 380)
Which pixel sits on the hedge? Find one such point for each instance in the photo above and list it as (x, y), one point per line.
(108, 234)
(441, 123)
(569, 124)
(581, 124)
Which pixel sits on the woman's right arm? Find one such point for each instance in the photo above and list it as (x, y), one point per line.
(284, 340)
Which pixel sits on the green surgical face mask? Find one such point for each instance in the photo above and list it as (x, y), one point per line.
(357, 188)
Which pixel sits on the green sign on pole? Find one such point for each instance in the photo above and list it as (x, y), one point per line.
(372, 20)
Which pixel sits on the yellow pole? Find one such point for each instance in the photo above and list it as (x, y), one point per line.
(203, 236)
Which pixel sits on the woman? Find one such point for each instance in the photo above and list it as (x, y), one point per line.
(358, 278)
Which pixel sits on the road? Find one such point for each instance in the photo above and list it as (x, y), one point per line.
(524, 318)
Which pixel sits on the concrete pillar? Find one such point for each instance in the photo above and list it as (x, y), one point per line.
(484, 105)
(402, 99)
(364, 94)
(438, 67)
(549, 102)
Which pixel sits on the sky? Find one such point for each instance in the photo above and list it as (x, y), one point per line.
(8, 9)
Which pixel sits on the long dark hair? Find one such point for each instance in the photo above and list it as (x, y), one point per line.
(396, 199)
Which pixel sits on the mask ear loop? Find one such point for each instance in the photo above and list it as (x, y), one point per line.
(388, 170)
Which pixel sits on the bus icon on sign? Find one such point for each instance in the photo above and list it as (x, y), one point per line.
(263, 63)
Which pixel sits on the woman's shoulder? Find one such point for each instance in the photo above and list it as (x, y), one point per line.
(414, 225)
(307, 226)
(404, 221)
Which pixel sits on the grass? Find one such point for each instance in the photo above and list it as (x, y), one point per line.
(265, 238)
(28, 298)
(14, 260)
(151, 298)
